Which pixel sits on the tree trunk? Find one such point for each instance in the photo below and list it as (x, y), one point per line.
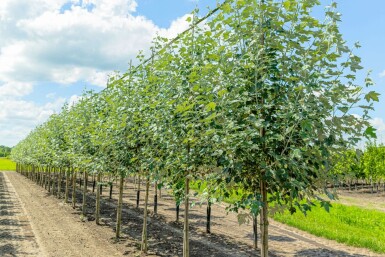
(119, 210)
(41, 171)
(49, 180)
(208, 223)
(97, 209)
(264, 220)
(59, 183)
(53, 181)
(45, 178)
(84, 204)
(255, 230)
(186, 241)
(67, 185)
(177, 212)
(73, 188)
(80, 180)
(138, 194)
(93, 183)
(156, 198)
(144, 245)
(110, 190)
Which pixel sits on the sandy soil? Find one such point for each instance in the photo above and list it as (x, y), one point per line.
(363, 199)
(16, 235)
(56, 229)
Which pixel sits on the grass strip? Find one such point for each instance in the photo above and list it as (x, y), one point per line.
(350, 225)
(7, 164)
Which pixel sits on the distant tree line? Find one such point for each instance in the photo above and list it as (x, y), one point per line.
(367, 165)
(5, 151)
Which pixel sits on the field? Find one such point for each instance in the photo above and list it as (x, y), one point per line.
(7, 164)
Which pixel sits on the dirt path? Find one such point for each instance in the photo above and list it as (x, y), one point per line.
(62, 232)
(16, 235)
(363, 199)
(59, 233)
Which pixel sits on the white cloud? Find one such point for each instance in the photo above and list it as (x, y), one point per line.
(379, 124)
(74, 99)
(15, 89)
(64, 42)
(19, 117)
(78, 44)
(177, 26)
(382, 74)
(50, 95)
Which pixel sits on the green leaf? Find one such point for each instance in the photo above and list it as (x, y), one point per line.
(287, 5)
(372, 95)
(370, 132)
(211, 106)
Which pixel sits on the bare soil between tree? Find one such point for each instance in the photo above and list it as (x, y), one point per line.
(35, 223)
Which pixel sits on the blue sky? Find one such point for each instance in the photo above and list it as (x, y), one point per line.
(50, 50)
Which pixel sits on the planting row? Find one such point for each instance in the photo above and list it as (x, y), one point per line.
(254, 99)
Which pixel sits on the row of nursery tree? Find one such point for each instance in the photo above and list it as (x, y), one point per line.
(256, 95)
(357, 168)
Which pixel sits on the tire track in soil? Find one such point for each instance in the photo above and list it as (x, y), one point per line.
(61, 233)
(16, 235)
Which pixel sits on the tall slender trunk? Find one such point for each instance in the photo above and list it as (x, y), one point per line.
(73, 188)
(120, 204)
(186, 241)
(54, 180)
(255, 230)
(97, 209)
(156, 198)
(144, 245)
(111, 189)
(80, 179)
(93, 183)
(263, 184)
(264, 220)
(208, 223)
(49, 180)
(177, 212)
(41, 176)
(59, 183)
(84, 204)
(138, 193)
(67, 185)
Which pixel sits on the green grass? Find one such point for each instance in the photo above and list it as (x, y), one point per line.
(345, 224)
(351, 225)
(234, 195)
(7, 164)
